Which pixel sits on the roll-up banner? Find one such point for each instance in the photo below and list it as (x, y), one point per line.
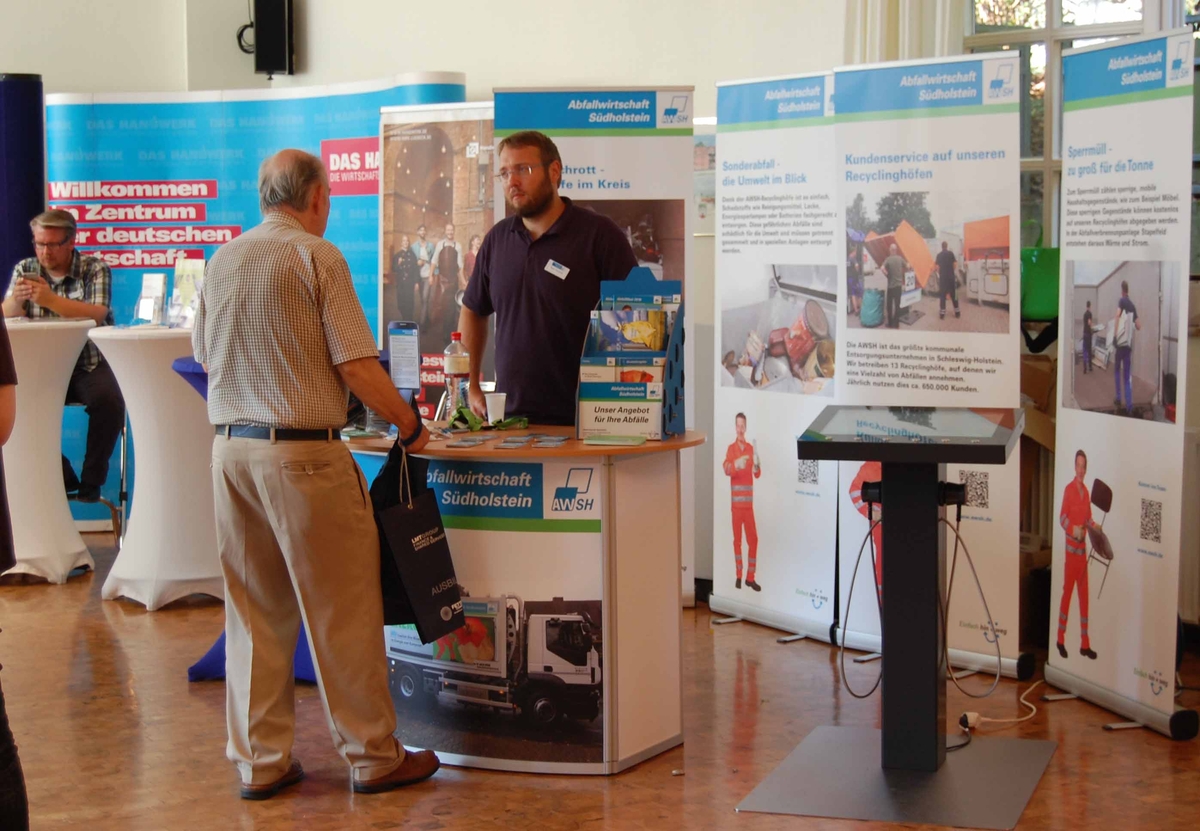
(436, 204)
(778, 252)
(155, 178)
(627, 154)
(1118, 484)
(929, 171)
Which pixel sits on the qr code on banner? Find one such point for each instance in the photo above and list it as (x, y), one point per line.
(976, 482)
(1151, 520)
(809, 472)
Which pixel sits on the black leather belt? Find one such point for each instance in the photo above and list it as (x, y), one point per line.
(249, 431)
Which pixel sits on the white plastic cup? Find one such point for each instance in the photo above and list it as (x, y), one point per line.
(495, 406)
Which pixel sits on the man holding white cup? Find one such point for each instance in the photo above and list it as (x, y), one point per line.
(495, 406)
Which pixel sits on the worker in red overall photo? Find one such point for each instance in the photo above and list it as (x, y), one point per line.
(742, 467)
(1075, 518)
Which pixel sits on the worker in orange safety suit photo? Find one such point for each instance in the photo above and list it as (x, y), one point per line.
(1076, 517)
(871, 472)
(743, 466)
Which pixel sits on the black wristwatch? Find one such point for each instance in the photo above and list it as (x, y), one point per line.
(411, 440)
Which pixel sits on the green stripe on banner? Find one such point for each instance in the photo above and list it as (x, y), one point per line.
(548, 526)
(786, 124)
(932, 112)
(615, 131)
(1128, 98)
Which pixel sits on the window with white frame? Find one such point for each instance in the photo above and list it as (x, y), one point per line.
(1040, 30)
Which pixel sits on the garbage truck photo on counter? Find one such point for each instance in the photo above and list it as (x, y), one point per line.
(521, 680)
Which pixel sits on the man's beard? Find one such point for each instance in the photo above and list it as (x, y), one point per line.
(535, 208)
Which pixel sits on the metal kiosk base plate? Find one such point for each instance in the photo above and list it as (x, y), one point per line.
(835, 773)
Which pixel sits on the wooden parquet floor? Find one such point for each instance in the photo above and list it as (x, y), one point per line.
(112, 736)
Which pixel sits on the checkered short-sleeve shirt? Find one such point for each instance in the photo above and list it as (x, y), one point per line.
(277, 314)
(89, 281)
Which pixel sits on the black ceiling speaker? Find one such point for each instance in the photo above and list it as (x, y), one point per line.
(273, 45)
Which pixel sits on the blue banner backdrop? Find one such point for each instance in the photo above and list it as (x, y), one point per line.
(155, 178)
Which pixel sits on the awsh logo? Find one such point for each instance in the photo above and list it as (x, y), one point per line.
(677, 111)
(1000, 86)
(1181, 64)
(570, 496)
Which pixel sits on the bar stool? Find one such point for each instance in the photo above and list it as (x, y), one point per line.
(118, 511)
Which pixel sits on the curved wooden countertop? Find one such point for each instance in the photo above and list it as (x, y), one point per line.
(570, 449)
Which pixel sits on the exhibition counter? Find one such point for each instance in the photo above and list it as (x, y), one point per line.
(571, 660)
(170, 546)
(45, 539)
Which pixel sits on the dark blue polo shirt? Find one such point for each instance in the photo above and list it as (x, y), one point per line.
(541, 319)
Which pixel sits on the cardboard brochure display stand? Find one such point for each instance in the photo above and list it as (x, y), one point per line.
(631, 371)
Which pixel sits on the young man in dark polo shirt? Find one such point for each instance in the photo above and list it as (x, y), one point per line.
(539, 271)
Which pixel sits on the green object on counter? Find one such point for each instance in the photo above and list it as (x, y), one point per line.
(1039, 283)
(463, 417)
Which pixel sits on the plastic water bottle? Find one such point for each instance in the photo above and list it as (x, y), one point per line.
(457, 369)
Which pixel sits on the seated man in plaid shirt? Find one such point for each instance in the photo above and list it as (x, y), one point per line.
(61, 282)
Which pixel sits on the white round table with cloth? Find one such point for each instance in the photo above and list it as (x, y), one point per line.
(44, 536)
(170, 545)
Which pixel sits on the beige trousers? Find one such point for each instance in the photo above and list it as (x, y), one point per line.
(297, 539)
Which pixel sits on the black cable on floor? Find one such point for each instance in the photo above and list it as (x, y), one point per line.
(960, 744)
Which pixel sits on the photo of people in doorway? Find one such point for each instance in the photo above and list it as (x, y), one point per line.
(437, 205)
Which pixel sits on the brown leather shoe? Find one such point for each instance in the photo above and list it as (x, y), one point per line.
(294, 774)
(416, 767)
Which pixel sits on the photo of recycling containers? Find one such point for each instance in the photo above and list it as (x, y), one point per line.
(784, 343)
(929, 262)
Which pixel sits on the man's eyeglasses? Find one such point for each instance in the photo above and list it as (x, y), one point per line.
(49, 246)
(520, 171)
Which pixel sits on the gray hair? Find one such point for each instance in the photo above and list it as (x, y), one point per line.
(62, 220)
(287, 179)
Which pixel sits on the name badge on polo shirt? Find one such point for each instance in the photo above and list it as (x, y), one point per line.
(558, 269)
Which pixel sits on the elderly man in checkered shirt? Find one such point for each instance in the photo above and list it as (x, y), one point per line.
(282, 335)
(61, 282)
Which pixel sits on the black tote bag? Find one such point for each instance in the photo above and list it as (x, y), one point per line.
(416, 570)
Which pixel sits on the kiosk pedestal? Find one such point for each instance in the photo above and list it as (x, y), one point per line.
(901, 773)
